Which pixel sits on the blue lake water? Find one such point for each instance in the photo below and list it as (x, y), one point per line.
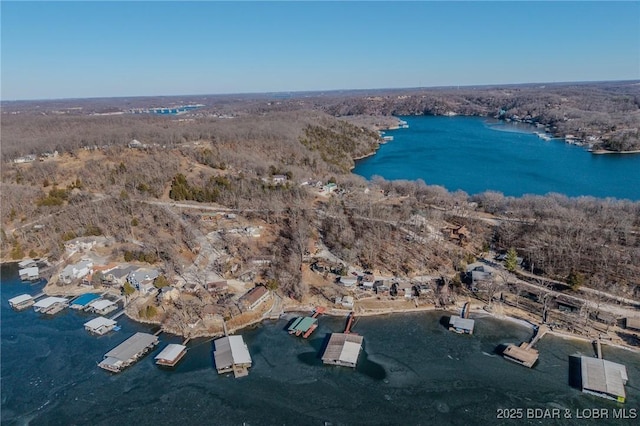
(475, 155)
(412, 371)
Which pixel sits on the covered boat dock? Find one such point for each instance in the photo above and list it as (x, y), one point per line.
(100, 325)
(21, 302)
(128, 352)
(101, 307)
(51, 305)
(81, 302)
(343, 349)
(232, 354)
(461, 325)
(603, 378)
(171, 355)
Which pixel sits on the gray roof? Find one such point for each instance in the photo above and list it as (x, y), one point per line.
(119, 273)
(171, 352)
(132, 346)
(49, 301)
(20, 299)
(602, 376)
(231, 350)
(343, 349)
(462, 323)
(96, 323)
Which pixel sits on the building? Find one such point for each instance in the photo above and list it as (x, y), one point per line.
(51, 305)
(343, 349)
(32, 273)
(128, 352)
(217, 287)
(329, 188)
(632, 323)
(142, 277)
(461, 325)
(347, 302)
(232, 354)
(21, 302)
(347, 281)
(254, 297)
(303, 326)
(117, 276)
(100, 325)
(171, 355)
(26, 263)
(101, 307)
(603, 378)
(76, 271)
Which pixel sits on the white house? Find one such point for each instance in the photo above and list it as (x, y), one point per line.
(76, 271)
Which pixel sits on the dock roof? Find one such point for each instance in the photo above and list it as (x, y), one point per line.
(26, 263)
(132, 346)
(461, 323)
(343, 349)
(47, 302)
(302, 324)
(101, 304)
(171, 352)
(96, 323)
(20, 299)
(231, 350)
(602, 376)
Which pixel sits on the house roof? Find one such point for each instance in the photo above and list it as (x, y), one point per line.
(255, 294)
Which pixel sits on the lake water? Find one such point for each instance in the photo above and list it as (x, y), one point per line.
(475, 155)
(413, 371)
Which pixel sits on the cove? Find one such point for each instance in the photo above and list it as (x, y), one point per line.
(475, 155)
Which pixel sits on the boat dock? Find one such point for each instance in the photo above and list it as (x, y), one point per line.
(21, 302)
(232, 355)
(462, 324)
(100, 325)
(343, 349)
(171, 355)
(101, 306)
(51, 305)
(603, 378)
(128, 352)
(31, 273)
(82, 301)
(306, 325)
(525, 354)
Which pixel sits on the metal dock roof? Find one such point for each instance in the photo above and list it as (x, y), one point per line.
(47, 302)
(101, 304)
(171, 352)
(343, 349)
(20, 299)
(603, 377)
(465, 324)
(229, 351)
(132, 346)
(96, 323)
(302, 324)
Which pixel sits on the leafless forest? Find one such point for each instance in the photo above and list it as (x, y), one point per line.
(228, 152)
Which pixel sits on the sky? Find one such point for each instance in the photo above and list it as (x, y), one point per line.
(53, 50)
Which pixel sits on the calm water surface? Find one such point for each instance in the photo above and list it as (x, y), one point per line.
(476, 155)
(412, 372)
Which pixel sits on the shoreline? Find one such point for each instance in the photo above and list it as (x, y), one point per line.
(609, 152)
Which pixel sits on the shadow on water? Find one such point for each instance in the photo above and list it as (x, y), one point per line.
(444, 321)
(499, 350)
(575, 372)
(320, 345)
(370, 368)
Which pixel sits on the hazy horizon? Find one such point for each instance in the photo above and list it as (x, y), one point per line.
(83, 50)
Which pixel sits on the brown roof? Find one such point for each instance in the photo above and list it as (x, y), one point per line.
(254, 294)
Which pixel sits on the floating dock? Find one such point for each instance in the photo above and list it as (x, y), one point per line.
(31, 273)
(171, 355)
(306, 325)
(51, 305)
(232, 354)
(525, 354)
(21, 302)
(100, 325)
(81, 302)
(461, 325)
(128, 352)
(101, 307)
(603, 378)
(343, 349)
